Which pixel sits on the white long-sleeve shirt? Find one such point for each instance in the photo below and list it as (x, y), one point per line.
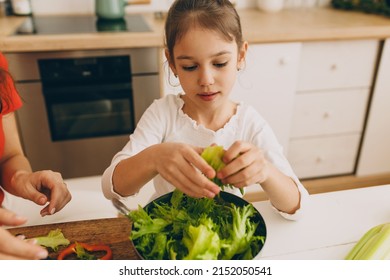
(165, 121)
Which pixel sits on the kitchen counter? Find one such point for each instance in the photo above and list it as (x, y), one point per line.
(333, 224)
(310, 24)
(88, 203)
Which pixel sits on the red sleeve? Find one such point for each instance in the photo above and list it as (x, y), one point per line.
(8, 91)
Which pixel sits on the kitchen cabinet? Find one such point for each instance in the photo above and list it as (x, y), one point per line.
(375, 151)
(334, 84)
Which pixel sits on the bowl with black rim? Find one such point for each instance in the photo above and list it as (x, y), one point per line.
(223, 201)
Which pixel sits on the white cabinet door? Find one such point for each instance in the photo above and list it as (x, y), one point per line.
(375, 152)
(329, 112)
(334, 83)
(324, 156)
(268, 83)
(337, 65)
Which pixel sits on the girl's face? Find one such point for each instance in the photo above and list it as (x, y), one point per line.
(206, 65)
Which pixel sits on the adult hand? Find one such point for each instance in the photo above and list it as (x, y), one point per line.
(245, 165)
(15, 248)
(182, 166)
(42, 187)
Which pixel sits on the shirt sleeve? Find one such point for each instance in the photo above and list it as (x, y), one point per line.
(11, 100)
(149, 131)
(266, 140)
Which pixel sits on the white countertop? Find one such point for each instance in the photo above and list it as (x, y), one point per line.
(87, 202)
(329, 228)
(332, 224)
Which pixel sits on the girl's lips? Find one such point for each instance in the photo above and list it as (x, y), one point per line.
(207, 96)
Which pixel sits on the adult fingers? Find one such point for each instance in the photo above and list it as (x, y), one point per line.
(10, 219)
(15, 248)
(55, 189)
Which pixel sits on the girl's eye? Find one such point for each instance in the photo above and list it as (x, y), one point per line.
(189, 68)
(194, 67)
(220, 65)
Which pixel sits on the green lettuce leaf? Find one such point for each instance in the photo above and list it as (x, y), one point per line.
(53, 240)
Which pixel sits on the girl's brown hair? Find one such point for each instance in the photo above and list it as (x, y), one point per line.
(215, 15)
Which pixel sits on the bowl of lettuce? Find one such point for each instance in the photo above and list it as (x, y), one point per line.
(178, 227)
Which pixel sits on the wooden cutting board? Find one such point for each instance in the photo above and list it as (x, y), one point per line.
(113, 232)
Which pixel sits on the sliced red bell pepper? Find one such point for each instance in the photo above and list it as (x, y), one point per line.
(79, 248)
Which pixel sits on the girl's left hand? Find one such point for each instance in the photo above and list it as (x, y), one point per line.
(245, 165)
(43, 187)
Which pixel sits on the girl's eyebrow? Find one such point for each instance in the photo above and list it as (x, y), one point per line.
(183, 57)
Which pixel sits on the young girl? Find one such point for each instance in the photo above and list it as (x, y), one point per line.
(205, 49)
(45, 188)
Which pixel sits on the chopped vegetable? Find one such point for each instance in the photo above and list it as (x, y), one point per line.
(195, 229)
(149, 225)
(82, 251)
(242, 232)
(213, 155)
(198, 240)
(53, 240)
(374, 245)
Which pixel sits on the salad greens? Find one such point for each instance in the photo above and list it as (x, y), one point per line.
(195, 228)
(213, 155)
(53, 240)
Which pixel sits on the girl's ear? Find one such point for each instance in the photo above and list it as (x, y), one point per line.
(242, 54)
(170, 61)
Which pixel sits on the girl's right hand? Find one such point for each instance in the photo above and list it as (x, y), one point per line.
(15, 248)
(182, 166)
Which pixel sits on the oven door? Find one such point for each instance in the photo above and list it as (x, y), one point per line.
(86, 111)
(73, 158)
(66, 127)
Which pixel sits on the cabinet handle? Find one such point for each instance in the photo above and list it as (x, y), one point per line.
(333, 67)
(282, 61)
(326, 115)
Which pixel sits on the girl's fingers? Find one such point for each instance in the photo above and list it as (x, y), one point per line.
(196, 160)
(237, 149)
(184, 176)
(249, 167)
(196, 184)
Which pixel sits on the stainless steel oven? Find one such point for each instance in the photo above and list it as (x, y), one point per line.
(80, 106)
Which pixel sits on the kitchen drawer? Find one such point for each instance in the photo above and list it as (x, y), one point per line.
(338, 64)
(329, 112)
(325, 156)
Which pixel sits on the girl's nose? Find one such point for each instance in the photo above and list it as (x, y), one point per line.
(206, 77)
